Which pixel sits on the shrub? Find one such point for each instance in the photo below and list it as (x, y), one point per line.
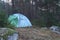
(4, 20)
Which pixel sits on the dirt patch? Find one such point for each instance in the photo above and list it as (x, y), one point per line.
(37, 34)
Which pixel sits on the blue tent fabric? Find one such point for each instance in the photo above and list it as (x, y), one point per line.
(19, 20)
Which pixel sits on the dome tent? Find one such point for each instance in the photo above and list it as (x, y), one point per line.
(19, 20)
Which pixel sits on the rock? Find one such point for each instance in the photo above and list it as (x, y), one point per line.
(3, 31)
(13, 37)
(11, 34)
(55, 29)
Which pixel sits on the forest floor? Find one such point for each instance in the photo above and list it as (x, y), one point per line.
(37, 34)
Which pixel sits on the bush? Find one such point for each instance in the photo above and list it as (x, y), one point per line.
(4, 20)
(39, 23)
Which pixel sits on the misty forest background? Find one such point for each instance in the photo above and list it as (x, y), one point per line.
(42, 13)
